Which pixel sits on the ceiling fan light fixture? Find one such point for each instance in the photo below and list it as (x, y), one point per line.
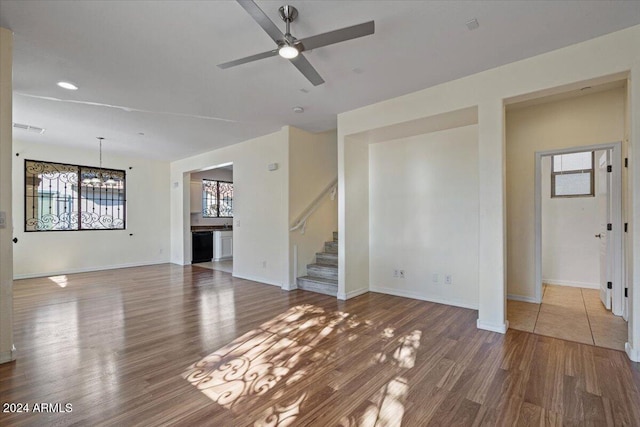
(288, 51)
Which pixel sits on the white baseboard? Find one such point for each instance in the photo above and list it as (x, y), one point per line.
(345, 296)
(522, 298)
(8, 356)
(415, 295)
(571, 283)
(292, 287)
(86, 270)
(502, 329)
(633, 353)
(258, 279)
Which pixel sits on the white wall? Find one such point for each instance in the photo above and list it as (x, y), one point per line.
(423, 191)
(353, 216)
(221, 174)
(6, 245)
(313, 165)
(570, 252)
(580, 121)
(601, 59)
(261, 211)
(147, 218)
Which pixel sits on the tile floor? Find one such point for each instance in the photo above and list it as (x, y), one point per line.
(574, 314)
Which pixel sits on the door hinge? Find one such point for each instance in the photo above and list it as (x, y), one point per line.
(626, 292)
(609, 168)
(609, 227)
(609, 285)
(626, 227)
(626, 162)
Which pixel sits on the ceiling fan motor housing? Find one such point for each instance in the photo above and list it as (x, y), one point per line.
(288, 13)
(291, 48)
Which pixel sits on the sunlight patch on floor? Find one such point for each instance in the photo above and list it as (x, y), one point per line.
(273, 363)
(59, 280)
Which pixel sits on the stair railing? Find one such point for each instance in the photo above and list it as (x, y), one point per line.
(301, 222)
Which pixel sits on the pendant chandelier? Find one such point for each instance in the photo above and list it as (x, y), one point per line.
(99, 179)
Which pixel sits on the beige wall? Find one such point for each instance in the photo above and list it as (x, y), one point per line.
(6, 245)
(263, 201)
(599, 60)
(145, 240)
(353, 209)
(260, 206)
(422, 192)
(313, 165)
(580, 121)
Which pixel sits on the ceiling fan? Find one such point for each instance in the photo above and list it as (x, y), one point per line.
(291, 48)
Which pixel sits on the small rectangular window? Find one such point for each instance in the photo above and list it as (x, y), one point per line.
(63, 197)
(572, 175)
(217, 199)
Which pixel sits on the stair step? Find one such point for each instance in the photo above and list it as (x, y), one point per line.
(325, 271)
(319, 285)
(335, 236)
(331, 247)
(327, 258)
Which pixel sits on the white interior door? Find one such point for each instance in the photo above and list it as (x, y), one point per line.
(604, 213)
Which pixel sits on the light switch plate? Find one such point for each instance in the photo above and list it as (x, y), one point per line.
(3, 219)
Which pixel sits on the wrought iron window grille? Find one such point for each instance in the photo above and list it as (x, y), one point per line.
(67, 197)
(217, 199)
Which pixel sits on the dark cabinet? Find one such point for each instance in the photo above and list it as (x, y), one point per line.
(201, 246)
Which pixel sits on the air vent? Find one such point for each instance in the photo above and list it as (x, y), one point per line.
(29, 128)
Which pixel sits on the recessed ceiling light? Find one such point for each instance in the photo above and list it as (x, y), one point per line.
(67, 85)
(473, 24)
(298, 110)
(141, 133)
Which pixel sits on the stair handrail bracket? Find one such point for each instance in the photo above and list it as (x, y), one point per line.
(301, 222)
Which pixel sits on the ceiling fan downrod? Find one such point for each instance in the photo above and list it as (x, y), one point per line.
(288, 14)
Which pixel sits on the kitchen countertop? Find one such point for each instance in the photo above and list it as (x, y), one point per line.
(210, 228)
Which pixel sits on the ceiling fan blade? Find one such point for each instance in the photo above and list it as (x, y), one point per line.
(338, 36)
(305, 67)
(262, 19)
(251, 58)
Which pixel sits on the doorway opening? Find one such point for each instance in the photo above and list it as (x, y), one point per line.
(579, 248)
(211, 217)
(583, 117)
(600, 268)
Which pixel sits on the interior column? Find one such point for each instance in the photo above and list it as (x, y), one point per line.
(492, 226)
(6, 229)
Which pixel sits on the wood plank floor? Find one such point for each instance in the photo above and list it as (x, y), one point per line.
(188, 346)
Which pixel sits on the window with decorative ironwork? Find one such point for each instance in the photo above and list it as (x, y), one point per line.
(217, 199)
(572, 175)
(64, 197)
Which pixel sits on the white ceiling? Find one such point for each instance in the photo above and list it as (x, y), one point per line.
(156, 61)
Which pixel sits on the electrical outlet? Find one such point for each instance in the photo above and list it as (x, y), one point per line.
(396, 273)
(402, 274)
(447, 279)
(434, 277)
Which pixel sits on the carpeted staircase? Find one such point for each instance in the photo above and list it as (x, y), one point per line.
(322, 277)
